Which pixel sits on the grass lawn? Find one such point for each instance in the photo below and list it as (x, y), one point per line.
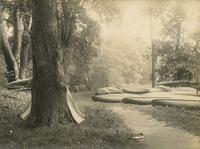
(174, 116)
(101, 129)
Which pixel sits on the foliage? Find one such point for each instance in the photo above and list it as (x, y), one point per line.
(81, 40)
(175, 55)
(79, 34)
(16, 16)
(89, 64)
(106, 10)
(172, 62)
(114, 67)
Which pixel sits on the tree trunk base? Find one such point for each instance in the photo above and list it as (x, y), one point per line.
(74, 113)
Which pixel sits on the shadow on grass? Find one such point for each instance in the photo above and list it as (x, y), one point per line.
(101, 129)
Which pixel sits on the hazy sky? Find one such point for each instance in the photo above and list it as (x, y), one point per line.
(133, 25)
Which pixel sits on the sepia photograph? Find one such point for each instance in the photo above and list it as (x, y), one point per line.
(99, 74)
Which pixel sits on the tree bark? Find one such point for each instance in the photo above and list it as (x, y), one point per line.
(87, 81)
(49, 104)
(18, 29)
(24, 54)
(26, 51)
(11, 64)
(67, 23)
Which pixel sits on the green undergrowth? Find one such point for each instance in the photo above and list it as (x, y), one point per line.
(101, 129)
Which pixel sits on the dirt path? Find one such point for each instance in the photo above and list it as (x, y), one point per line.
(156, 134)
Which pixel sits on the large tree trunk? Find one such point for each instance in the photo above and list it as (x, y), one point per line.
(49, 104)
(11, 64)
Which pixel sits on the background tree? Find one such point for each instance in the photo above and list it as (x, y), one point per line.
(14, 14)
(78, 32)
(81, 39)
(171, 48)
(11, 63)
